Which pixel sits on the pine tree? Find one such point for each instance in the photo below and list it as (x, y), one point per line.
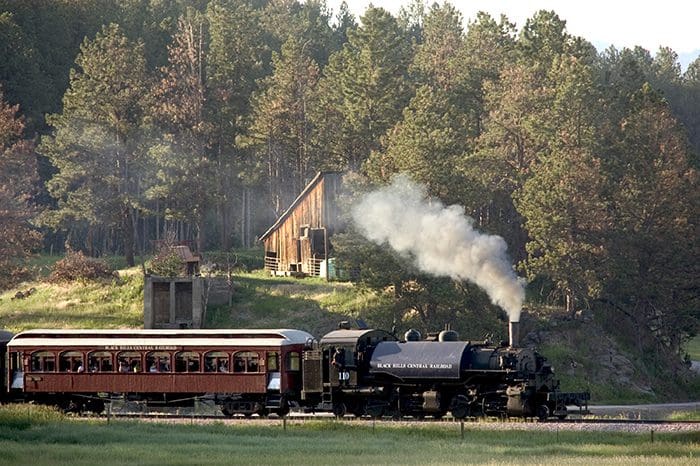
(344, 23)
(439, 57)
(308, 23)
(653, 196)
(236, 58)
(691, 107)
(18, 178)
(20, 72)
(281, 125)
(95, 145)
(429, 143)
(183, 170)
(364, 89)
(563, 201)
(507, 149)
(489, 48)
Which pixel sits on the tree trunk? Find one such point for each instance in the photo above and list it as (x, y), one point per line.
(89, 240)
(200, 234)
(128, 232)
(569, 298)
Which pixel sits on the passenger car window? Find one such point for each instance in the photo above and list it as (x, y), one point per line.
(273, 361)
(246, 361)
(71, 361)
(293, 361)
(216, 361)
(129, 361)
(187, 361)
(158, 361)
(100, 361)
(43, 361)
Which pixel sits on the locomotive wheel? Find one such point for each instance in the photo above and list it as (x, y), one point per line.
(226, 408)
(70, 406)
(358, 410)
(460, 411)
(375, 411)
(95, 406)
(283, 410)
(543, 412)
(562, 415)
(339, 409)
(460, 407)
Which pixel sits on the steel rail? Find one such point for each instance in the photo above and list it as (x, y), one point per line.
(326, 416)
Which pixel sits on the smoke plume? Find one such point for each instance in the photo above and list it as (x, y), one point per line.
(441, 240)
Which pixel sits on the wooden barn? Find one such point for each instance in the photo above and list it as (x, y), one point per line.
(298, 242)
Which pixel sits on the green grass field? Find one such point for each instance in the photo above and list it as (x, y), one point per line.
(38, 436)
(693, 348)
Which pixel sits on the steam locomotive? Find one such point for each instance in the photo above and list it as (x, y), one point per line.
(357, 371)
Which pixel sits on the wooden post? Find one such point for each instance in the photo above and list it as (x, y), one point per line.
(325, 251)
(194, 409)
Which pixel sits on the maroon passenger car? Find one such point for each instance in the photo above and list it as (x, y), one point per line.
(244, 371)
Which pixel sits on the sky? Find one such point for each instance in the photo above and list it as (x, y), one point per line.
(622, 23)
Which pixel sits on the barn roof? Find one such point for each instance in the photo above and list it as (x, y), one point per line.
(296, 202)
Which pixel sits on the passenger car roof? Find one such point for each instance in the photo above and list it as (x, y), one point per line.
(155, 337)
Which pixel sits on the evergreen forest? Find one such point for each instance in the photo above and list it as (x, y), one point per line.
(125, 121)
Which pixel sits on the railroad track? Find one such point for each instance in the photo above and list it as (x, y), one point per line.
(302, 417)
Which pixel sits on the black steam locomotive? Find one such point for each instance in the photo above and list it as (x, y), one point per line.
(367, 371)
(349, 371)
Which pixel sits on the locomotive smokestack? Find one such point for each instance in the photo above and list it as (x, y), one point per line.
(514, 333)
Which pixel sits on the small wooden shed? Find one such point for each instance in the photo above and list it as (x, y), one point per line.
(298, 242)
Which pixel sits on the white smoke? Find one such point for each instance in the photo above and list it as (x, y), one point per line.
(441, 240)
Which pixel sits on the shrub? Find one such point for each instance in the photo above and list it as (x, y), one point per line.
(166, 263)
(241, 260)
(77, 266)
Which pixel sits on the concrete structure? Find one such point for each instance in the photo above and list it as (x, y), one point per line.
(173, 302)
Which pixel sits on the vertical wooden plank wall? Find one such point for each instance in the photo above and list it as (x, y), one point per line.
(317, 208)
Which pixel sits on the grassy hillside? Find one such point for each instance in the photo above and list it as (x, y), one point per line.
(82, 304)
(310, 304)
(259, 301)
(693, 348)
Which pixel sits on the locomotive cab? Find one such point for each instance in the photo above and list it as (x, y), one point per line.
(335, 373)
